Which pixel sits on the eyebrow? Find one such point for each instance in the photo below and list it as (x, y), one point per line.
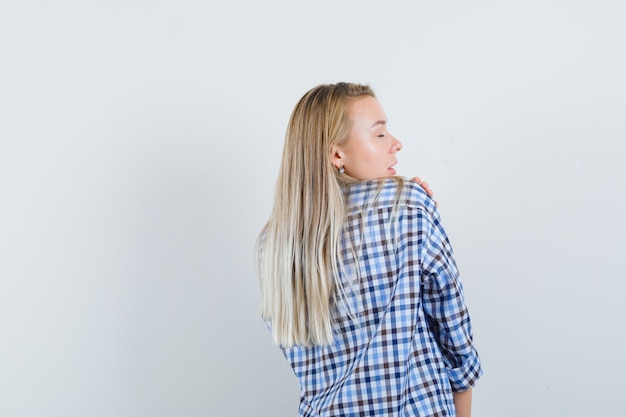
(379, 122)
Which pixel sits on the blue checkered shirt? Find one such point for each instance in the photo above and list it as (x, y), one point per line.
(403, 339)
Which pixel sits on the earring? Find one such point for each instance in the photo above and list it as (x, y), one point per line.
(341, 170)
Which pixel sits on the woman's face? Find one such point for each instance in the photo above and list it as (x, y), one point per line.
(370, 151)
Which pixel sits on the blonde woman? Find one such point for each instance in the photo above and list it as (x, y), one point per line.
(358, 281)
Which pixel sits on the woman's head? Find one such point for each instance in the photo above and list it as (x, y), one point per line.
(370, 150)
(320, 122)
(341, 126)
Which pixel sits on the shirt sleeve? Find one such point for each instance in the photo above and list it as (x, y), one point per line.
(444, 305)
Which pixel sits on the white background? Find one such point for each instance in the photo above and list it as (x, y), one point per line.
(139, 146)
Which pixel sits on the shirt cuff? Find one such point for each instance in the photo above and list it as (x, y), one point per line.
(465, 376)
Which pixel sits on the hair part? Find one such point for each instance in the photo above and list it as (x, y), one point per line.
(298, 249)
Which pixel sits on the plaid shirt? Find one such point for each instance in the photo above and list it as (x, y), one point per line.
(403, 339)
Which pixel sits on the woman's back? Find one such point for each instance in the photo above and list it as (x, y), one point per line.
(403, 339)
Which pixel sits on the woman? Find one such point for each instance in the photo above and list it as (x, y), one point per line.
(358, 281)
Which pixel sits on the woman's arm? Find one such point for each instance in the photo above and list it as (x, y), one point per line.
(443, 302)
(463, 403)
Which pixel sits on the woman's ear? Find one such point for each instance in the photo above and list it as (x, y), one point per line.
(337, 156)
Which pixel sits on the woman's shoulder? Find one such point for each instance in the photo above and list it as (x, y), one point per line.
(390, 192)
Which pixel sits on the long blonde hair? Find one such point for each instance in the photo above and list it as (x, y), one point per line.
(298, 249)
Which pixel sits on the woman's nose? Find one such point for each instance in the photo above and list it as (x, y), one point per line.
(397, 145)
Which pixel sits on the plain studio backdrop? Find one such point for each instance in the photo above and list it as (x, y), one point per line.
(139, 148)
